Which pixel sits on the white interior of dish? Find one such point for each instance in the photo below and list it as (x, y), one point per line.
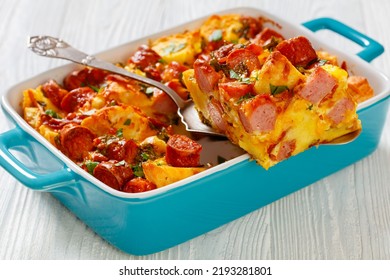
(212, 149)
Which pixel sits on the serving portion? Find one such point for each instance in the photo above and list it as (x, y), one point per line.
(273, 97)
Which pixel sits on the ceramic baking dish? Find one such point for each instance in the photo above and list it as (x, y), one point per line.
(149, 222)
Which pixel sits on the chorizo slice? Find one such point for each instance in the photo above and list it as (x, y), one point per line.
(243, 61)
(76, 98)
(258, 114)
(84, 77)
(319, 84)
(54, 92)
(144, 57)
(298, 50)
(113, 173)
(76, 141)
(126, 150)
(182, 151)
(137, 185)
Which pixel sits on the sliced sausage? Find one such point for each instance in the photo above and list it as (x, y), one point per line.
(242, 61)
(54, 92)
(182, 151)
(236, 89)
(206, 76)
(252, 26)
(163, 103)
(339, 110)
(319, 84)
(76, 98)
(144, 57)
(76, 141)
(266, 35)
(258, 114)
(216, 114)
(173, 71)
(137, 185)
(113, 173)
(126, 150)
(298, 51)
(84, 77)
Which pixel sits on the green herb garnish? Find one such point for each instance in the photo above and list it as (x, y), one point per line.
(119, 132)
(138, 171)
(216, 35)
(52, 114)
(172, 48)
(245, 97)
(127, 122)
(277, 89)
(90, 165)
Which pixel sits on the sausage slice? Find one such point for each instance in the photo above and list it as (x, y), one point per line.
(182, 151)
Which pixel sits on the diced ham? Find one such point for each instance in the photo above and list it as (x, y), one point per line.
(285, 150)
(206, 76)
(319, 84)
(339, 110)
(216, 114)
(298, 51)
(258, 114)
(182, 151)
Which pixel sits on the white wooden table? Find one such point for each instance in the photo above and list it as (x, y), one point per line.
(344, 216)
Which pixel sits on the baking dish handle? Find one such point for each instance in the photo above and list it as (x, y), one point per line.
(31, 179)
(372, 48)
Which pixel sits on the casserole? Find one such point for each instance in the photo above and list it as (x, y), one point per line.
(172, 215)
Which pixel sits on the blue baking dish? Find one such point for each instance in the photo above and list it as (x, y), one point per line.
(149, 222)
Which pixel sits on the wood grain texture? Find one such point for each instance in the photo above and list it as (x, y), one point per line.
(343, 216)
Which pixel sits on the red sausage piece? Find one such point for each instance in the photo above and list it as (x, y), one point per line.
(137, 185)
(319, 84)
(113, 173)
(298, 51)
(205, 74)
(76, 141)
(54, 92)
(258, 114)
(183, 151)
(337, 113)
(76, 98)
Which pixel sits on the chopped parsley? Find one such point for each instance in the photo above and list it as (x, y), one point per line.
(172, 48)
(90, 165)
(127, 122)
(234, 75)
(216, 36)
(245, 97)
(137, 170)
(119, 132)
(277, 89)
(52, 114)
